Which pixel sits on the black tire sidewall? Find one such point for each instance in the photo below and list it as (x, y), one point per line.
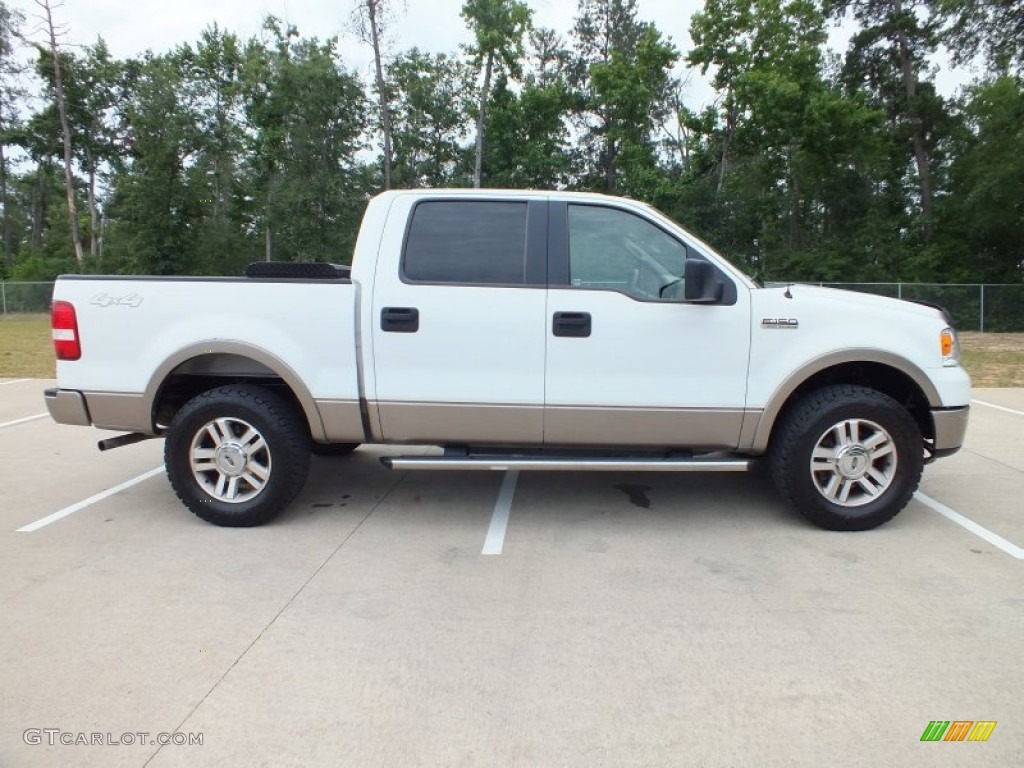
(280, 427)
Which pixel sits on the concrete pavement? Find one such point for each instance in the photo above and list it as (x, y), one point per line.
(631, 619)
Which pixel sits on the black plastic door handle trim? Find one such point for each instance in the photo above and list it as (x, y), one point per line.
(571, 324)
(400, 319)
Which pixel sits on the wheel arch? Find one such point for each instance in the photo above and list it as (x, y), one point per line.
(204, 365)
(883, 371)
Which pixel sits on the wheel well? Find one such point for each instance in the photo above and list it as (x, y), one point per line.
(878, 376)
(205, 372)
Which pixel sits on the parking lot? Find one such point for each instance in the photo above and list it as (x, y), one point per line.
(619, 619)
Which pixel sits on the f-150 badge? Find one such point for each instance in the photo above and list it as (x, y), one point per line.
(780, 322)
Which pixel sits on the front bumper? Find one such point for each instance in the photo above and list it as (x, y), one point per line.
(67, 406)
(950, 428)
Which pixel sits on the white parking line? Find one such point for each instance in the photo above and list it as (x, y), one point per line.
(998, 407)
(22, 421)
(495, 540)
(992, 538)
(60, 514)
(13, 381)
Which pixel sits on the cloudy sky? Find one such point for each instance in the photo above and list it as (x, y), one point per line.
(130, 28)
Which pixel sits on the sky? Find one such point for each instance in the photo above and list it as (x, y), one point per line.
(130, 28)
(435, 25)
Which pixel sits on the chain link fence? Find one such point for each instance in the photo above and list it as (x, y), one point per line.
(974, 306)
(17, 297)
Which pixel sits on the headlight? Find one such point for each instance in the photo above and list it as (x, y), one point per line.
(949, 343)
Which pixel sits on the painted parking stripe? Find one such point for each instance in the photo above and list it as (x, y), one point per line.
(992, 538)
(998, 407)
(62, 513)
(495, 540)
(13, 381)
(22, 421)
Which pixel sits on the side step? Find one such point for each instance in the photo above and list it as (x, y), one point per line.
(567, 464)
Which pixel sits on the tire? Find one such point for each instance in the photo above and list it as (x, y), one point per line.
(332, 449)
(847, 457)
(237, 455)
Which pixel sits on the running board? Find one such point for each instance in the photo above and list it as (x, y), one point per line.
(561, 464)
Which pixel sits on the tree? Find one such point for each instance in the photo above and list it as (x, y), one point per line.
(621, 78)
(992, 28)
(154, 212)
(498, 27)
(982, 216)
(431, 96)
(89, 84)
(11, 91)
(307, 116)
(58, 84)
(216, 175)
(793, 156)
(629, 92)
(527, 145)
(527, 142)
(370, 15)
(888, 56)
(90, 94)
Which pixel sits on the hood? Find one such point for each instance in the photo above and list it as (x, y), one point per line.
(854, 300)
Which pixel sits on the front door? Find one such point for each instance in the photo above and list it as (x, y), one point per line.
(628, 361)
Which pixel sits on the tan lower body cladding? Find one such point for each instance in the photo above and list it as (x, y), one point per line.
(481, 424)
(593, 426)
(699, 428)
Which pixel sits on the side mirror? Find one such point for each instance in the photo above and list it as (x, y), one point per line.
(702, 285)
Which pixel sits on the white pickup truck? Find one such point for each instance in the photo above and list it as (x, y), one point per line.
(517, 330)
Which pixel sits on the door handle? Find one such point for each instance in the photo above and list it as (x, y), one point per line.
(571, 324)
(400, 319)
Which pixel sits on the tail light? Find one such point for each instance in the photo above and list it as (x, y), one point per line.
(65, 331)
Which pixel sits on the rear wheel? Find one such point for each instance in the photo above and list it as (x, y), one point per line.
(847, 457)
(237, 455)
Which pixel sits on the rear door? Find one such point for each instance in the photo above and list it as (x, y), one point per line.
(459, 322)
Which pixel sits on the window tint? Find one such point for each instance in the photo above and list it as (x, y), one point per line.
(610, 248)
(455, 241)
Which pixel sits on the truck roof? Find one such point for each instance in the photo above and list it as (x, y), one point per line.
(518, 193)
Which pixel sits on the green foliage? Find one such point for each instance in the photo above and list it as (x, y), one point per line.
(985, 218)
(626, 92)
(498, 27)
(807, 164)
(153, 210)
(430, 100)
(993, 29)
(526, 141)
(308, 114)
(621, 78)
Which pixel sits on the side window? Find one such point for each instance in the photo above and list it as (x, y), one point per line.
(610, 248)
(466, 241)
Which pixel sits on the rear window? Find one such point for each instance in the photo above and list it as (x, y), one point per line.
(455, 241)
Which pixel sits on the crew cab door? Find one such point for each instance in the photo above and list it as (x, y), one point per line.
(458, 321)
(629, 362)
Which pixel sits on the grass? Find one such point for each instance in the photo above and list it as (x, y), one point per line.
(992, 359)
(26, 348)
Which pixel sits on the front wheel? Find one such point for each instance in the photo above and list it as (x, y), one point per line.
(847, 457)
(237, 455)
